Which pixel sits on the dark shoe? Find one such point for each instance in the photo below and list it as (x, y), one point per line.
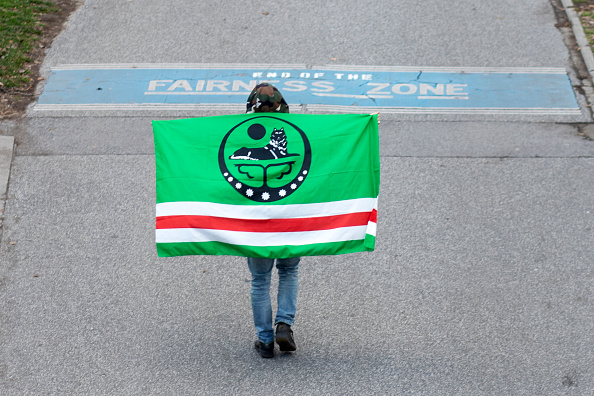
(265, 350)
(284, 337)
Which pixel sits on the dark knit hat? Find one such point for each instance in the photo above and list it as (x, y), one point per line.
(266, 97)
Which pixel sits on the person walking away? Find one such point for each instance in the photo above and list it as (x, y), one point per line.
(266, 98)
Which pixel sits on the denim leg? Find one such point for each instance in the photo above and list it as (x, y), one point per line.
(287, 290)
(260, 293)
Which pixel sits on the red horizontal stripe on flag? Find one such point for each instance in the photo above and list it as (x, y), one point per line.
(373, 217)
(270, 225)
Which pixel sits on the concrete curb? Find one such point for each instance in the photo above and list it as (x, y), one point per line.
(6, 151)
(580, 36)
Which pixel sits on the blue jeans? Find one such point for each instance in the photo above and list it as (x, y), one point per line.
(261, 270)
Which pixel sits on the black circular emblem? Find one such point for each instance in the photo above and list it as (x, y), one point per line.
(265, 158)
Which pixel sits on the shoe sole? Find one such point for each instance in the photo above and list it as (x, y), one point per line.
(285, 345)
(264, 354)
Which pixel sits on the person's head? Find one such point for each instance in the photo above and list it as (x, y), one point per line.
(266, 98)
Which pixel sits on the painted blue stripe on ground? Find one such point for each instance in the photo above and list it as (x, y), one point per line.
(385, 89)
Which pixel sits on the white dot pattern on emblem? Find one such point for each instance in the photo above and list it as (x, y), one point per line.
(249, 192)
(282, 193)
(293, 186)
(238, 186)
(265, 196)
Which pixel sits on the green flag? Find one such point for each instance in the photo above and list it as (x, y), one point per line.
(267, 185)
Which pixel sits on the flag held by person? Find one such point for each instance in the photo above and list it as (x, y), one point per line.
(270, 185)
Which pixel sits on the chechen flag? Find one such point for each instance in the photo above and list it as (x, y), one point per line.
(267, 185)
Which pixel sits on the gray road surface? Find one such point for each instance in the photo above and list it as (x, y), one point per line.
(482, 282)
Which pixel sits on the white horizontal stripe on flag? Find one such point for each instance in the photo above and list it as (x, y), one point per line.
(265, 211)
(372, 225)
(179, 235)
(371, 228)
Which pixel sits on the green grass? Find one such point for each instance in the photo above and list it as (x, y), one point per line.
(586, 18)
(19, 31)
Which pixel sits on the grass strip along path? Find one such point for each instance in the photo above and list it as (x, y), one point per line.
(585, 10)
(20, 29)
(27, 29)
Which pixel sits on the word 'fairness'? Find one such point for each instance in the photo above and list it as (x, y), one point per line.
(318, 88)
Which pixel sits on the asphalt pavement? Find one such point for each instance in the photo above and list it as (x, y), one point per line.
(482, 281)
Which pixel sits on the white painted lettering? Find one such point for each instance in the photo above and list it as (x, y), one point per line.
(339, 75)
(199, 85)
(258, 75)
(410, 89)
(285, 75)
(238, 84)
(318, 75)
(456, 89)
(326, 86)
(269, 81)
(378, 88)
(180, 84)
(353, 76)
(366, 76)
(304, 75)
(438, 89)
(220, 84)
(270, 74)
(157, 83)
(295, 86)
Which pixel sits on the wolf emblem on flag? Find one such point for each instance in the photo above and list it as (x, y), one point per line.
(271, 186)
(275, 149)
(269, 173)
